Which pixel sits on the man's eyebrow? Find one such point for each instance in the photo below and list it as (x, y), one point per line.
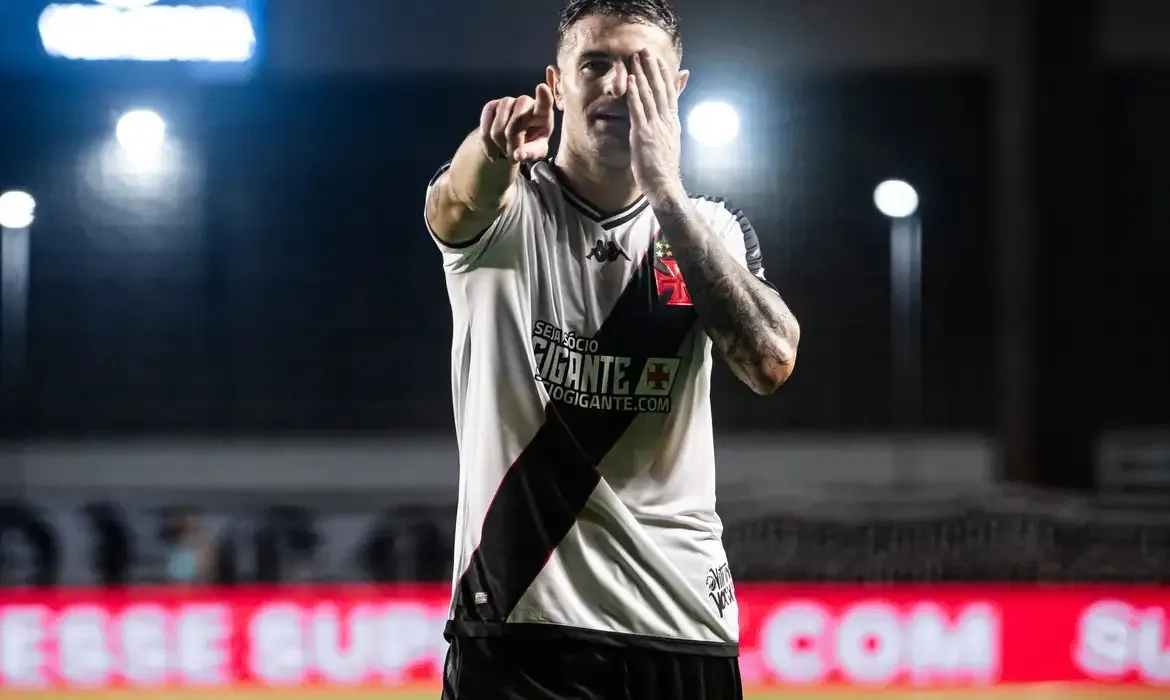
(595, 55)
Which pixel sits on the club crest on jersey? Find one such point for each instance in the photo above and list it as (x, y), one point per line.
(668, 279)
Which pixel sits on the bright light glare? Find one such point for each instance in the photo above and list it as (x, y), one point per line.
(141, 132)
(134, 30)
(896, 199)
(126, 4)
(713, 123)
(17, 209)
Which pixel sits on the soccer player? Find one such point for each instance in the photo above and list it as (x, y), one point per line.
(587, 292)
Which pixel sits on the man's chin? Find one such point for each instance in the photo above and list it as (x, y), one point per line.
(614, 153)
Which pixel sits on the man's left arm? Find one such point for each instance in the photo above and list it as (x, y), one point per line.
(745, 318)
(744, 315)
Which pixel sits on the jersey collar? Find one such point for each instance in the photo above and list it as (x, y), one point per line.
(578, 202)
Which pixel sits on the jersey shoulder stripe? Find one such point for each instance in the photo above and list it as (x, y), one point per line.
(751, 241)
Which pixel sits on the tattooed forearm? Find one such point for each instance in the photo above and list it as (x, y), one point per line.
(746, 319)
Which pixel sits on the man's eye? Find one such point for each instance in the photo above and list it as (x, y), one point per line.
(595, 67)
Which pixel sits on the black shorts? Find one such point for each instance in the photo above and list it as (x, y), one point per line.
(514, 668)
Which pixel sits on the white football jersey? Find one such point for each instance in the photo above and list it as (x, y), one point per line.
(581, 383)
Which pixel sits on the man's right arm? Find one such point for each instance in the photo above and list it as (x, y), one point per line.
(470, 194)
(481, 181)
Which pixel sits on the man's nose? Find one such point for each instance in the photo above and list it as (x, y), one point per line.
(617, 81)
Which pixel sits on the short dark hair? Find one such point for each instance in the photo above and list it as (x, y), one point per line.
(658, 13)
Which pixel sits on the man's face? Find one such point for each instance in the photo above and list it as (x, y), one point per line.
(590, 80)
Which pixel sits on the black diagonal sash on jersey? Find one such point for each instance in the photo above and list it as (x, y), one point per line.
(547, 486)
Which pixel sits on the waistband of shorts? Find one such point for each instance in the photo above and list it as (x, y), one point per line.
(539, 630)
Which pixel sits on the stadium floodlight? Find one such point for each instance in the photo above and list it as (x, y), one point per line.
(128, 4)
(896, 199)
(144, 30)
(713, 123)
(17, 210)
(141, 132)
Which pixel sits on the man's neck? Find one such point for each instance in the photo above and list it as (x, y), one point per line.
(609, 189)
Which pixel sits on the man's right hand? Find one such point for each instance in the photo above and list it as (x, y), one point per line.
(518, 128)
(481, 181)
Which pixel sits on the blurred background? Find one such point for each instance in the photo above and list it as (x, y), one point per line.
(225, 333)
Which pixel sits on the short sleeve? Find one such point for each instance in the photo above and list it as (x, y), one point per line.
(495, 245)
(738, 234)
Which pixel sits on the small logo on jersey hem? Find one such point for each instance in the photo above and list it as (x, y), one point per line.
(720, 588)
(481, 598)
(668, 279)
(606, 252)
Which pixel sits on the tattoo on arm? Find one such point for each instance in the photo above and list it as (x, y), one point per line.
(746, 319)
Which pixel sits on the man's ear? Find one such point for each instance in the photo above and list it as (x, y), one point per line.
(683, 77)
(552, 76)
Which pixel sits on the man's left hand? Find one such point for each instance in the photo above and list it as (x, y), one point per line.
(655, 129)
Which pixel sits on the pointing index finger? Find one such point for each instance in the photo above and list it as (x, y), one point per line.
(544, 98)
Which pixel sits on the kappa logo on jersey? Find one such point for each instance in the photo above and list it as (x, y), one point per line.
(606, 252)
(575, 370)
(668, 279)
(720, 587)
